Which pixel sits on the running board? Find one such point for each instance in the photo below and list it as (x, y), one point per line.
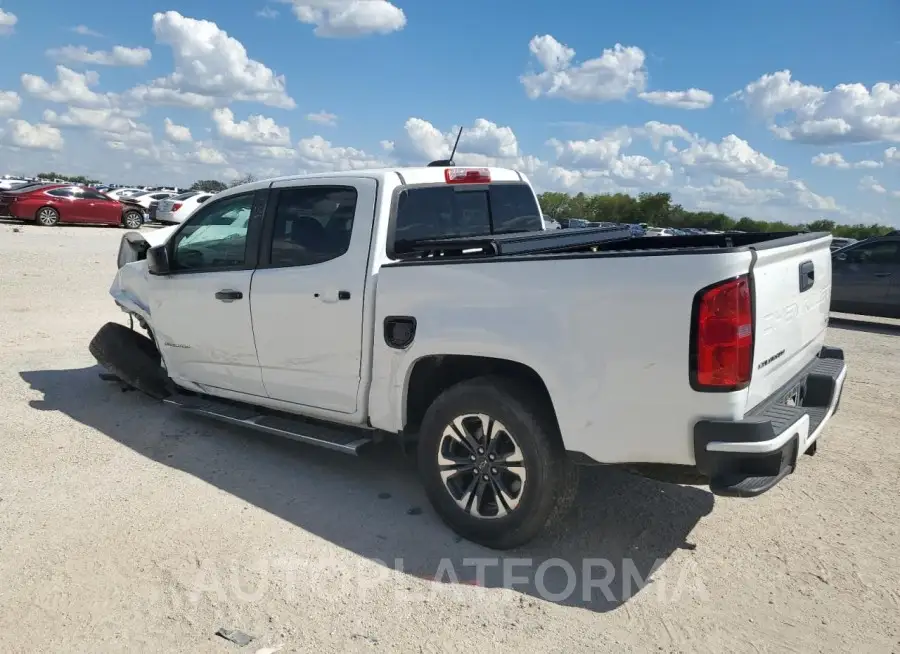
(346, 440)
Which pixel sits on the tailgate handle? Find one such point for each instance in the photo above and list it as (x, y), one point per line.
(807, 276)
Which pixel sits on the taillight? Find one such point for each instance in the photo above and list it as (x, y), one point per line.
(722, 333)
(467, 175)
(176, 206)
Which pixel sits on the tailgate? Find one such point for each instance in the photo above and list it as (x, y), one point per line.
(792, 295)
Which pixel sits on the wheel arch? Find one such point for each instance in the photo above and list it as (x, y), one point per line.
(430, 375)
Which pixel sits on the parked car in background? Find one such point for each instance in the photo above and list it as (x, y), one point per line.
(8, 183)
(837, 242)
(51, 204)
(175, 209)
(119, 193)
(145, 199)
(660, 231)
(865, 277)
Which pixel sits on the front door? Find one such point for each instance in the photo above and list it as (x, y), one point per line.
(98, 208)
(861, 276)
(308, 292)
(201, 310)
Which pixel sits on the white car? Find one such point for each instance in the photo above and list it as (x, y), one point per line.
(429, 305)
(119, 193)
(145, 199)
(659, 231)
(175, 209)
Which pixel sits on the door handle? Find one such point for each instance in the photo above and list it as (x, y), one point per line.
(229, 295)
(883, 274)
(343, 295)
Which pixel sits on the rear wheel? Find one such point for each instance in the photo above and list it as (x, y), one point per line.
(133, 219)
(131, 357)
(492, 462)
(47, 216)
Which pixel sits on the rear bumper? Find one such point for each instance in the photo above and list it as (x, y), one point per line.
(747, 457)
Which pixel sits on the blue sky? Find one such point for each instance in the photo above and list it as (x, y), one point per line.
(768, 109)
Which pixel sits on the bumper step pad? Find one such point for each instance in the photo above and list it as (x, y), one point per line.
(751, 473)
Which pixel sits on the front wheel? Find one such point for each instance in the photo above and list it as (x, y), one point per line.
(133, 219)
(47, 216)
(492, 462)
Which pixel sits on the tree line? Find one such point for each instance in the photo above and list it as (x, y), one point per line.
(214, 185)
(658, 210)
(71, 179)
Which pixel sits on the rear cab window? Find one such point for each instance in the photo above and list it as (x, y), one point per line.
(444, 211)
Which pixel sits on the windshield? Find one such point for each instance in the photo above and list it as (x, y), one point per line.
(185, 196)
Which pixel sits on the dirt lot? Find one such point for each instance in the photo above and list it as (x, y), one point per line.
(125, 525)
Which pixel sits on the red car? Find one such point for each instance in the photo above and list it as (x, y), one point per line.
(51, 204)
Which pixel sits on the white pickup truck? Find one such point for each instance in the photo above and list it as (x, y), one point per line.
(431, 304)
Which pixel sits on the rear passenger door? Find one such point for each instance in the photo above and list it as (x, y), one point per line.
(861, 277)
(307, 294)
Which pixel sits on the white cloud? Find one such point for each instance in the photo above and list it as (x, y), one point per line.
(658, 132)
(256, 129)
(836, 160)
(7, 23)
(208, 155)
(118, 56)
(869, 183)
(38, 136)
(602, 160)
(892, 155)
(848, 113)
(318, 154)
(731, 157)
(349, 18)
(153, 95)
(483, 138)
(211, 68)
(724, 191)
(322, 118)
(690, 99)
(10, 102)
(267, 12)
(84, 30)
(177, 133)
(71, 88)
(387, 146)
(108, 120)
(612, 76)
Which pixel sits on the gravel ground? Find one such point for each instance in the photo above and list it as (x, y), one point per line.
(127, 526)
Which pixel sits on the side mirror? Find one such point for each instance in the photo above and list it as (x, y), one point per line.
(158, 260)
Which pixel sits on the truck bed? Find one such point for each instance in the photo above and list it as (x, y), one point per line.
(609, 241)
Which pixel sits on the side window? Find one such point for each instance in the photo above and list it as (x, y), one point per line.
(875, 253)
(93, 195)
(60, 192)
(215, 237)
(313, 224)
(203, 198)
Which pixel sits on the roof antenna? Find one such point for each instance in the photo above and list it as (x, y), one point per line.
(448, 162)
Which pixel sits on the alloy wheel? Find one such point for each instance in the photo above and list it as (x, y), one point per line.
(482, 466)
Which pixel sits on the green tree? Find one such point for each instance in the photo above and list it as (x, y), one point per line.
(244, 179)
(657, 209)
(208, 185)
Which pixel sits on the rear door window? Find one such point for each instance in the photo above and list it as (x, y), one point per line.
(435, 212)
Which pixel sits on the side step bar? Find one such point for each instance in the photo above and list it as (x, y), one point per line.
(346, 440)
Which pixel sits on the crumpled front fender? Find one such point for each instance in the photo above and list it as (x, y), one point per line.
(130, 289)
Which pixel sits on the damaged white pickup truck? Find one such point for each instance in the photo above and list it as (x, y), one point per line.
(431, 304)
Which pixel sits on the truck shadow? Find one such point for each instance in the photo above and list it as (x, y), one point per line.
(862, 325)
(621, 528)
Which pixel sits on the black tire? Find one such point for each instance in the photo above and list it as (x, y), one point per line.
(47, 217)
(551, 479)
(132, 219)
(133, 358)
